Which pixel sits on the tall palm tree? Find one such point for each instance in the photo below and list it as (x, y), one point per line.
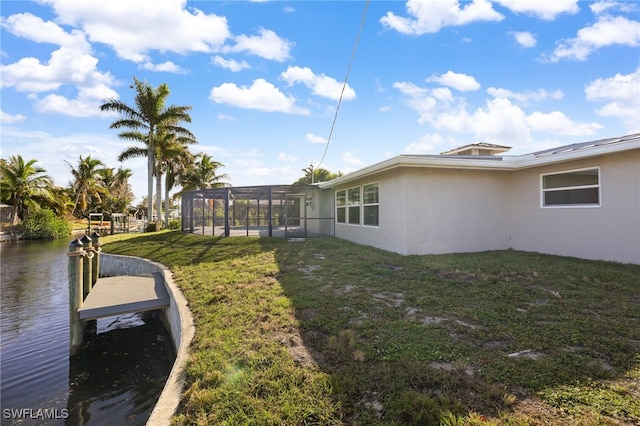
(203, 174)
(149, 116)
(173, 159)
(23, 185)
(88, 183)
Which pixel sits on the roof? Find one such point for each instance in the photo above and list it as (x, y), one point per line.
(491, 162)
(495, 149)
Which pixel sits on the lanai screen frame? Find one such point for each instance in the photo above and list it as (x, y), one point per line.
(277, 211)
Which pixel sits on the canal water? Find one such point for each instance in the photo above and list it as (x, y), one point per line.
(116, 380)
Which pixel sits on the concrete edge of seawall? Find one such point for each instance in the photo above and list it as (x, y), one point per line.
(180, 323)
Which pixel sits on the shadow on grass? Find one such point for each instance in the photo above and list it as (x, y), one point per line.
(423, 339)
(507, 337)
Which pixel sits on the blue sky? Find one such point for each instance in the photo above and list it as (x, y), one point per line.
(264, 78)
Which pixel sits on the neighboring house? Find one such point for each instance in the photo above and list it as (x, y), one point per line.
(579, 200)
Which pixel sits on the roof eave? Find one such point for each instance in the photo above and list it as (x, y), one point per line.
(506, 163)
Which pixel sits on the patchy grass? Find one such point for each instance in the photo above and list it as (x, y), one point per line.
(329, 332)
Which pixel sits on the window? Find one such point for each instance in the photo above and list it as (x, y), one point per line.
(573, 188)
(341, 216)
(370, 204)
(353, 205)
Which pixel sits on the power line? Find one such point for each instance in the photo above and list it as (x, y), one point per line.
(344, 85)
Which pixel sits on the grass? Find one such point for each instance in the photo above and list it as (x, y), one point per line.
(328, 332)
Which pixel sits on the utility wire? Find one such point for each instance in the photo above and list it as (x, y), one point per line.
(344, 85)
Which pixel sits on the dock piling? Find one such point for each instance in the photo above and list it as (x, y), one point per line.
(95, 267)
(86, 267)
(76, 254)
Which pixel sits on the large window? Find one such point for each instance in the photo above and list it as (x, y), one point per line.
(572, 188)
(359, 205)
(370, 204)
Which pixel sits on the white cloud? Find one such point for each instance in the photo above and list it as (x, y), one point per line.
(261, 95)
(461, 82)
(607, 31)
(547, 10)
(311, 138)
(599, 7)
(289, 9)
(429, 103)
(524, 38)
(267, 44)
(230, 64)
(320, 85)
(527, 96)
(224, 117)
(622, 94)
(425, 145)
(71, 64)
(6, 118)
(33, 28)
(558, 123)
(498, 122)
(430, 16)
(164, 67)
(351, 159)
(286, 157)
(135, 27)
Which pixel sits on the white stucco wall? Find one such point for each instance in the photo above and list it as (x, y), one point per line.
(436, 210)
(391, 234)
(453, 210)
(609, 232)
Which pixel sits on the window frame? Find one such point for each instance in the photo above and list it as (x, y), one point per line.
(354, 190)
(376, 204)
(344, 195)
(343, 207)
(544, 190)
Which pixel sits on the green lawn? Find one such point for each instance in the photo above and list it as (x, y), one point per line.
(325, 331)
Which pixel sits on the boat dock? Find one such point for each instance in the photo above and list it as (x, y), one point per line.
(124, 294)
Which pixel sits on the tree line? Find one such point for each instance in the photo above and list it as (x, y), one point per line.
(157, 133)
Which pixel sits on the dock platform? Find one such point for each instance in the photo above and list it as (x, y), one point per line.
(122, 294)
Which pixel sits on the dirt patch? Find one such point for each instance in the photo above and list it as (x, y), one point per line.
(392, 300)
(453, 367)
(527, 353)
(301, 354)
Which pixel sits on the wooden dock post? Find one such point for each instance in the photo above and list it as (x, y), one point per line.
(76, 254)
(95, 267)
(86, 267)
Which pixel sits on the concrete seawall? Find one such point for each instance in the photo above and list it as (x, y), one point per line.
(180, 322)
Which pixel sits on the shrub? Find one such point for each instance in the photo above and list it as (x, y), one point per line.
(44, 224)
(153, 227)
(174, 224)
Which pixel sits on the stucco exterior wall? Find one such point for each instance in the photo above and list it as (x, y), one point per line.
(453, 211)
(391, 234)
(609, 232)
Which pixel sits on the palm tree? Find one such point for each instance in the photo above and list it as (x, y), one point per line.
(23, 185)
(145, 120)
(88, 183)
(203, 174)
(119, 194)
(174, 158)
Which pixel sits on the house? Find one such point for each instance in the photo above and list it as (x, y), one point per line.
(580, 200)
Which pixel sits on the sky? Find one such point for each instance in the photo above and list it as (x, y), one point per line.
(264, 78)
